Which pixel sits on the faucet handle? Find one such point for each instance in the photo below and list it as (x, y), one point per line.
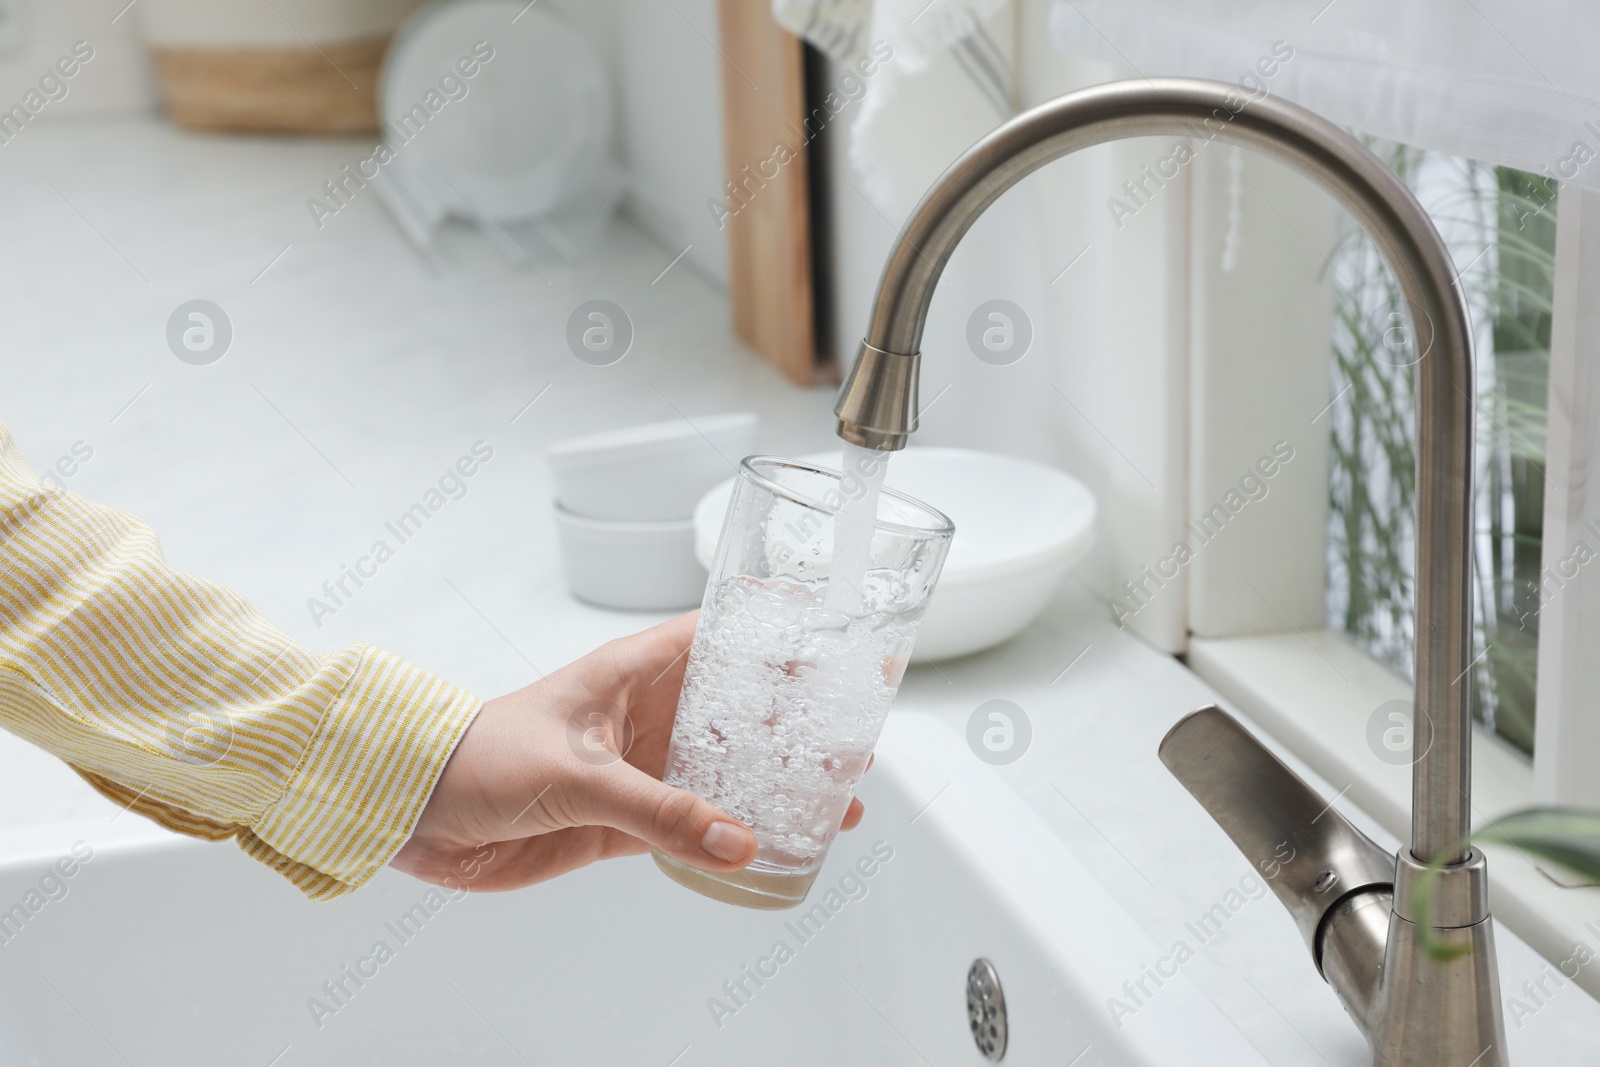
(1311, 856)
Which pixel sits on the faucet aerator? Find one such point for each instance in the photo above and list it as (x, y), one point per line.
(877, 406)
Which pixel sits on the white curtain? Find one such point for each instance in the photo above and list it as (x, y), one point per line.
(1513, 82)
(1504, 82)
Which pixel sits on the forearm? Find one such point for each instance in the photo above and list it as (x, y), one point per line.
(175, 697)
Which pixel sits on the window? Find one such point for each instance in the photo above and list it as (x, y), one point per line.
(1500, 226)
(1317, 671)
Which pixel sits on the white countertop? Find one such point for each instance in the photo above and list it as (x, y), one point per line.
(360, 369)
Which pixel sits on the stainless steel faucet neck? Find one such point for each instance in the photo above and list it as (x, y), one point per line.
(877, 406)
(869, 408)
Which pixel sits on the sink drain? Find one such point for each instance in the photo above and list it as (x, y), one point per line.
(986, 1010)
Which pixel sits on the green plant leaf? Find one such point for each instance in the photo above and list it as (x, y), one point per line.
(1569, 836)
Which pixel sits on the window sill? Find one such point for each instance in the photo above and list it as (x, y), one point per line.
(1315, 694)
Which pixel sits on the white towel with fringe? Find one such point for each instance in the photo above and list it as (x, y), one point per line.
(942, 76)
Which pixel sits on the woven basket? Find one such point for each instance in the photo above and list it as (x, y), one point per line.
(285, 66)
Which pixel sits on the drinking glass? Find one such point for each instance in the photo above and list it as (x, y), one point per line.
(787, 687)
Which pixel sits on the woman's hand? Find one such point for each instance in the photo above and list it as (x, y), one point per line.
(567, 771)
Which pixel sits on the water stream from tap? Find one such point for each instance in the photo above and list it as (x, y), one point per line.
(853, 525)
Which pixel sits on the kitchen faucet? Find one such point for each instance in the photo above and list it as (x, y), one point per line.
(1358, 907)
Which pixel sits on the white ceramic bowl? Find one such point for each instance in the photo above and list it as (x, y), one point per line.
(636, 566)
(1019, 526)
(651, 473)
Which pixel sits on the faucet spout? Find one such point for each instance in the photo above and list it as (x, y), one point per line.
(1418, 1009)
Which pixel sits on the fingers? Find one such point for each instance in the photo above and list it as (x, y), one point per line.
(679, 823)
(852, 815)
(664, 648)
(532, 860)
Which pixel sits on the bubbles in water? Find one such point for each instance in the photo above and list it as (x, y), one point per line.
(782, 703)
(772, 609)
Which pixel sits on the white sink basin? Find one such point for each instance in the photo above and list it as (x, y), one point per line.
(179, 953)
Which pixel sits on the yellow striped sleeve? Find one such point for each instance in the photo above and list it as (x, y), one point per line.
(175, 698)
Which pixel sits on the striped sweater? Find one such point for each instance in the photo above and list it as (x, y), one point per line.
(177, 700)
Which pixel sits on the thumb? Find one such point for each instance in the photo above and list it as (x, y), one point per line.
(677, 822)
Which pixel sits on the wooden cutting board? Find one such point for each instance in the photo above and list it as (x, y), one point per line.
(768, 195)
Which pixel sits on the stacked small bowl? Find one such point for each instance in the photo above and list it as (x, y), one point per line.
(624, 507)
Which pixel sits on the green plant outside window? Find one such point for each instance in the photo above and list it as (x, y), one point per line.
(1500, 226)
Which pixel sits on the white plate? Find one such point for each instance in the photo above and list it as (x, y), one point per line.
(532, 128)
